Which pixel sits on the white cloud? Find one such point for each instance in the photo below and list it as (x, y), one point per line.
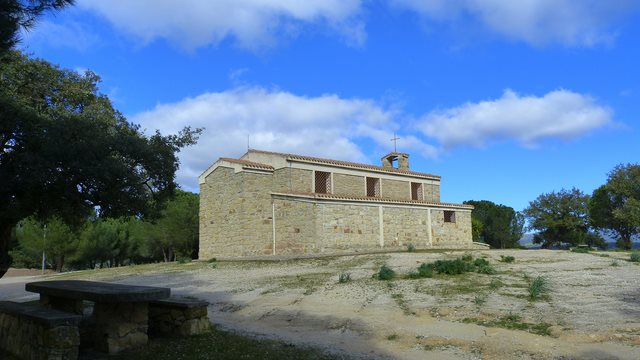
(537, 22)
(325, 126)
(252, 23)
(527, 119)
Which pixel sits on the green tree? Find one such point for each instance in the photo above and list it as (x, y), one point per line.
(108, 242)
(175, 233)
(497, 225)
(54, 237)
(615, 206)
(65, 151)
(560, 217)
(16, 14)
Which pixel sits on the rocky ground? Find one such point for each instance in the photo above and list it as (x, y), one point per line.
(592, 310)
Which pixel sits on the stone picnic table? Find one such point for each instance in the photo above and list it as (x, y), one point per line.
(120, 311)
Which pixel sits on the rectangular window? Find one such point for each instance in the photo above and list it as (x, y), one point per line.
(373, 187)
(323, 182)
(416, 191)
(449, 216)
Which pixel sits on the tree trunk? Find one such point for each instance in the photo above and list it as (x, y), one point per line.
(59, 263)
(624, 242)
(5, 239)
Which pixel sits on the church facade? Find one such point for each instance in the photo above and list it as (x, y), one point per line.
(268, 203)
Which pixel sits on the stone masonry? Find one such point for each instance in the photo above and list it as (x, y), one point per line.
(264, 204)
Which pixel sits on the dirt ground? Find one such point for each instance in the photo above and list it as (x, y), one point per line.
(591, 312)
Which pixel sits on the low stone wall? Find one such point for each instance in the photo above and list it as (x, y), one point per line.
(178, 317)
(30, 332)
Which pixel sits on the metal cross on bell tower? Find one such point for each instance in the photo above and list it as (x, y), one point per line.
(395, 142)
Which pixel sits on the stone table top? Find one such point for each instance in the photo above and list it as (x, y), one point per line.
(98, 291)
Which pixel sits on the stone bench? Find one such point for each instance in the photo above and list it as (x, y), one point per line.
(178, 316)
(32, 332)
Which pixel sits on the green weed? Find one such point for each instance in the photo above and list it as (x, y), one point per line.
(538, 288)
(411, 248)
(635, 256)
(344, 278)
(507, 259)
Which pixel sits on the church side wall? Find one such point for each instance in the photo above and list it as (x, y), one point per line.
(404, 226)
(292, 180)
(451, 235)
(396, 189)
(350, 185)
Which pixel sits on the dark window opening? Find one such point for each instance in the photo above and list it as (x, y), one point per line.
(450, 216)
(416, 191)
(323, 182)
(373, 187)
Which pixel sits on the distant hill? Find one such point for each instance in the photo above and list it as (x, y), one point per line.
(527, 241)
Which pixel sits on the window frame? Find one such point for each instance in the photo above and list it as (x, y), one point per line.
(329, 179)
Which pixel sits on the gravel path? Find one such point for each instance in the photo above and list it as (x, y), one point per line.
(592, 311)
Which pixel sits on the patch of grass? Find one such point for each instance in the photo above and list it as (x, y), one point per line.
(458, 266)
(581, 250)
(480, 299)
(602, 255)
(411, 248)
(635, 256)
(385, 273)
(402, 303)
(424, 271)
(392, 337)
(538, 288)
(513, 322)
(308, 282)
(615, 263)
(507, 259)
(495, 284)
(344, 278)
(224, 345)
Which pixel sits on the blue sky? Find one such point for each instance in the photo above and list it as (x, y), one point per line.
(504, 99)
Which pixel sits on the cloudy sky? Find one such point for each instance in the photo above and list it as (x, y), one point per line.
(504, 99)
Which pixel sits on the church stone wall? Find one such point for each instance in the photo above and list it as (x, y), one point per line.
(292, 180)
(396, 189)
(451, 235)
(349, 185)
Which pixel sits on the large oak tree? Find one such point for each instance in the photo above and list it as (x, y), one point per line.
(65, 151)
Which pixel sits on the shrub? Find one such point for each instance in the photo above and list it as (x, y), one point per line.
(507, 259)
(466, 257)
(635, 256)
(452, 267)
(344, 278)
(411, 248)
(425, 270)
(184, 260)
(480, 262)
(615, 263)
(480, 299)
(485, 269)
(538, 288)
(385, 273)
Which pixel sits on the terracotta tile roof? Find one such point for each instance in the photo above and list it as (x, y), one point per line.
(348, 164)
(372, 199)
(249, 164)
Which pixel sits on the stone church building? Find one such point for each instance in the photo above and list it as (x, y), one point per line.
(268, 203)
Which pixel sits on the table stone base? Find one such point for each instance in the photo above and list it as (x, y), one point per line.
(120, 326)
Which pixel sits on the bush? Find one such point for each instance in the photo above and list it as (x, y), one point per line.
(452, 267)
(507, 259)
(538, 288)
(480, 262)
(184, 260)
(466, 257)
(385, 273)
(344, 278)
(635, 256)
(424, 271)
(411, 248)
(486, 269)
